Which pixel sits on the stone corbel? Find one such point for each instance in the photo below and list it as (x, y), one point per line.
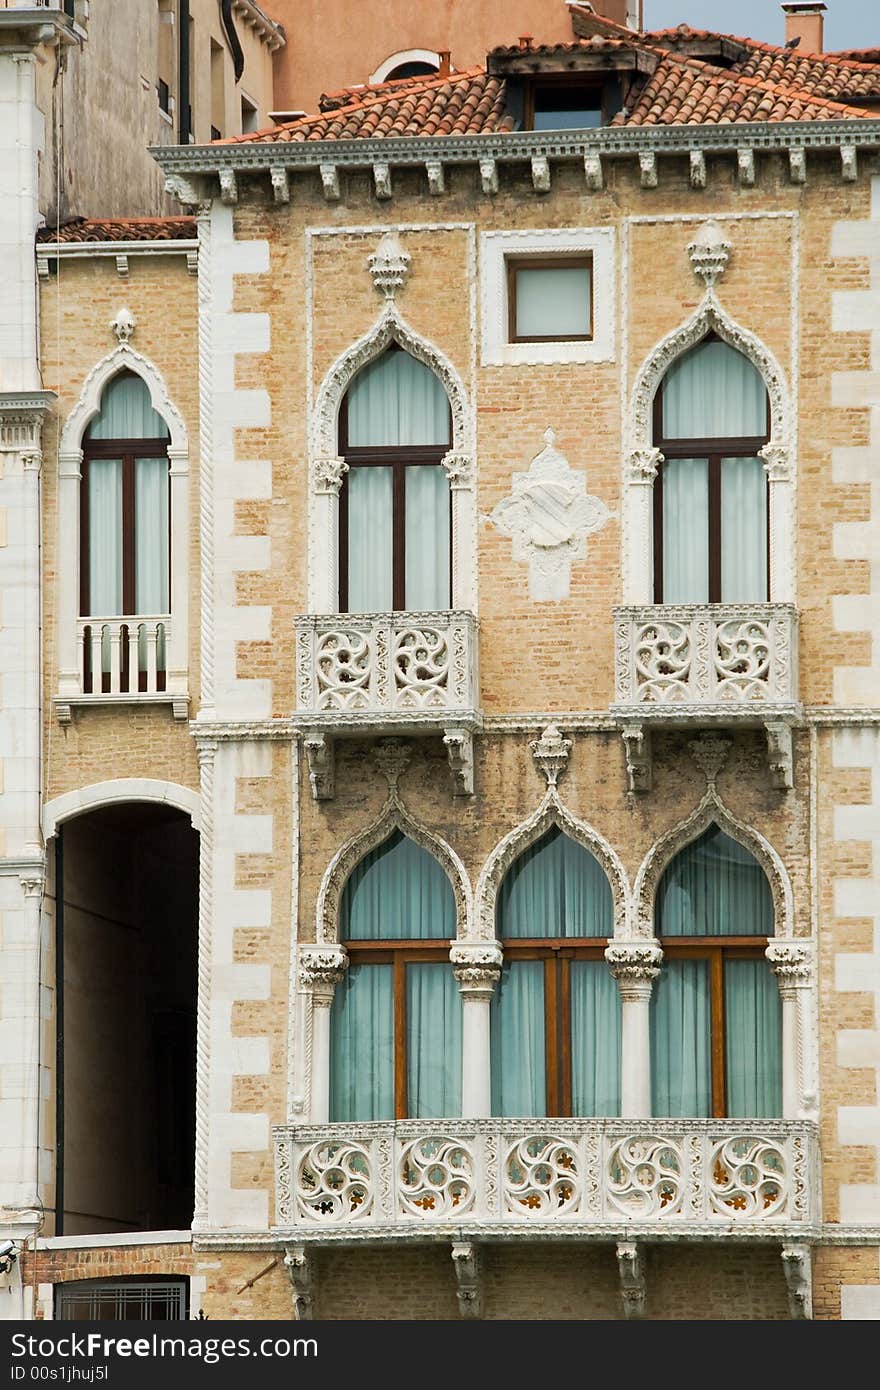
(436, 180)
(228, 186)
(468, 1266)
(122, 266)
(637, 751)
(797, 1264)
(797, 166)
(551, 753)
(321, 758)
(301, 1272)
(459, 745)
(631, 1268)
(540, 173)
(489, 176)
(476, 966)
(745, 165)
(330, 182)
(593, 172)
(382, 180)
(849, 166)
(648, 169)
(192, 192)
(698, 169)
(280, 183)
(780, 754)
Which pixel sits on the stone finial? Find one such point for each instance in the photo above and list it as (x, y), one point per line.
(709, 253)
(710, 754)
(551, 753)
(389, 265)
(124, 325)
(392, 757)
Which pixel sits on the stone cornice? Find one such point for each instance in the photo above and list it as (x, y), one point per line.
(33, 25)
(521, 146)
(20, 402)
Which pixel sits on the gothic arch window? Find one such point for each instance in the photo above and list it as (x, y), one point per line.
(716, 1042)
(395, 505)
(396, 1016)
(125, 538)
(555, 1027)
(711, 499)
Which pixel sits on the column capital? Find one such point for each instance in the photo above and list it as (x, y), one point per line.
(321, 968)
(792, 961)
(477, 967)
(635, 966)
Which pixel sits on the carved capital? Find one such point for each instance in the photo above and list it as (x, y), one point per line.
(206, 751)
(327, 475)
(389, 265)
(792, 963)
(551, 753)
(643, 465)
(777, 462)
(477, 967)
(32, 461)
(459, 470)
(635, 966)
(32, 883)
(320, 970)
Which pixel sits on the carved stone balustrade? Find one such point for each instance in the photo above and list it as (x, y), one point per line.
(124, 660)
(720, 664)
(387, 673)
(545, 1178)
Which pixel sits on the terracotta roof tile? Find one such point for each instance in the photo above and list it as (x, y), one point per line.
(121, 229)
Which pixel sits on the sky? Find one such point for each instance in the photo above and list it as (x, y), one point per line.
(848, 23)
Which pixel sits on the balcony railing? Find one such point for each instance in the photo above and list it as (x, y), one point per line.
(387, 669)
(748, 1178)
(721, 660)
(123, 656)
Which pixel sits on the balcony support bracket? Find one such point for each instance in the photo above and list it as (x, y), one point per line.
(301, 1270)
(637, 748)
(468, 1266)
(780, 754)
(321, 758)
(797, 1264)
(631, 1267)
(459, 744)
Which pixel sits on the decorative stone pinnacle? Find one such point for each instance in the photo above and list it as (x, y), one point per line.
(710, 753)
(389, 265)
(709, 253)
(392, 758)
(551, 753)
(124, 325)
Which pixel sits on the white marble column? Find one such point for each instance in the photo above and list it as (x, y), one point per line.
(321, 969)
(635, 965)
(477, 968)
(792, 963)
(326, 481)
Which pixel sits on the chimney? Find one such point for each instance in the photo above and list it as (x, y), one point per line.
(445, 65)
(804, 21)
(525, 42)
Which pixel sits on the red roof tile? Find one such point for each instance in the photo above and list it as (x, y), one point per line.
(121, 229)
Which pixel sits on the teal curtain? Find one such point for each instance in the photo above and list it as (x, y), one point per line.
(714, 887)
(713, 392)
(743, 531)
(397, 400)
(555, 888)
(427, 538)
(105, 537)
(151, 535)
(753, 1016)
(685, 484)
(126, 412)
(681, 1059)
(398, 892)
(518, 1061)
(370, 544)
(595, 1039)
(433, 1040)
(362, 1045)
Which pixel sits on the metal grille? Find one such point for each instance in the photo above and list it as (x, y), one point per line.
(98, 1300)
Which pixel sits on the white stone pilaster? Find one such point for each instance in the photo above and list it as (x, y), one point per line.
(477, 968)
(635, 965)
(321, 969)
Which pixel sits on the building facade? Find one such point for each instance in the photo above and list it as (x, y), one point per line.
(440, 709)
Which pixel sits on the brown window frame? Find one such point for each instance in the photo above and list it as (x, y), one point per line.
(399, 954)
(717, 950)
(556, 953)
(713, 450)
(526, 262)
(398, 458)
(548, 83)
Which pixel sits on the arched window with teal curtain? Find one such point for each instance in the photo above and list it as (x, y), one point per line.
(716, 1032)
(395, 506)
(555, 1025)
(395, 1024)
(711, 528)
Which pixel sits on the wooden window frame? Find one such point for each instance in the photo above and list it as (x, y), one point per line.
(547, 83)
(516, 263)
(713, 450)
(556, 953)
(399, 954)
(716, 950)
(398, 458)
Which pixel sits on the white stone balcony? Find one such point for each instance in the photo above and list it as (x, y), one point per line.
(122, 660)
(387, 673)
(609, 1179)
(720, 664)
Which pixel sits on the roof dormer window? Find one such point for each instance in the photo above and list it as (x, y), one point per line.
(565, 106)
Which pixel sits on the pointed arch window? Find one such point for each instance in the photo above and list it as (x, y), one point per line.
(711, 508)
(716, 1041)
(395, 528)
(555, 1021)
(396, 1017)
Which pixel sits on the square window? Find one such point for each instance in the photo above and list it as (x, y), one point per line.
(550, 299)
(566, 107)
